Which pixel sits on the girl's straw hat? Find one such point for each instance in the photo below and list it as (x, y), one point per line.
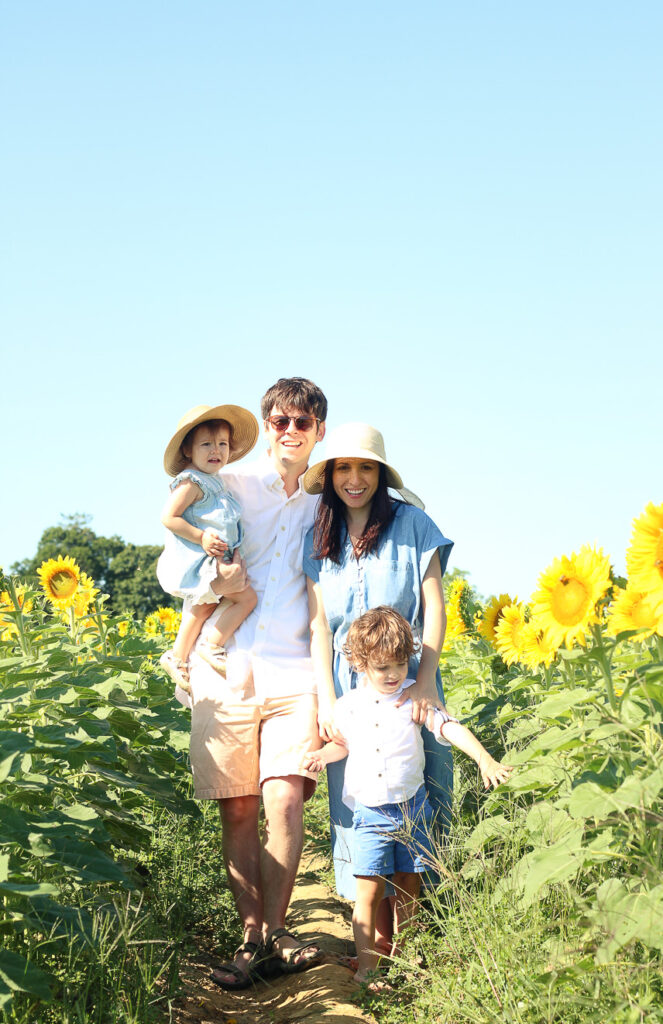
(351, 441)
(245, 431)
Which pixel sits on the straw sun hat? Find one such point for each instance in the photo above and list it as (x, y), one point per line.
(245, 431)
(356, 441)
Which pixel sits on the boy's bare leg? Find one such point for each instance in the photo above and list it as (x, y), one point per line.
(407, 885)
(241, 854)
(370, 891)
(283, 801)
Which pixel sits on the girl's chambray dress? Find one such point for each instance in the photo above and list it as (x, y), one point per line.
(392, 575)
(184, 569)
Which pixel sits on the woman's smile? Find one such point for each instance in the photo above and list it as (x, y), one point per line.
(355, 481)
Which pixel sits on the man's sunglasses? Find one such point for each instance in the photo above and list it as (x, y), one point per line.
(281, 423)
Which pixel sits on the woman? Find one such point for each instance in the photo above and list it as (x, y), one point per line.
(368, 549)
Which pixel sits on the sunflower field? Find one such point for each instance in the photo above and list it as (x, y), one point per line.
(95, 807)
(550, 901)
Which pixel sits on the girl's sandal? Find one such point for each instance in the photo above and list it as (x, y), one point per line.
(214, 655)
(176, 669)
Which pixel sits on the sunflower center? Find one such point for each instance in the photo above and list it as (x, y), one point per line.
(63, 584)
(570, 599)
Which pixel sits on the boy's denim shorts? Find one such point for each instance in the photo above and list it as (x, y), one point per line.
(394, 837)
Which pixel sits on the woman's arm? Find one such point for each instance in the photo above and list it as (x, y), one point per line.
(424, 694)
(184, 495)
(322, 654)
(317, 760)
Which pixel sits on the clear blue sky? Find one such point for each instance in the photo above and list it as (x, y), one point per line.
(447, 215)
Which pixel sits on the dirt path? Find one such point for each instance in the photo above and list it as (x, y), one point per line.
(323, 993)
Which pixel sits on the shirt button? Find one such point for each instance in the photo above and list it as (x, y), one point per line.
(261, 626)
(283, 527)
(278, 554)
(273, 579)
(379, 775)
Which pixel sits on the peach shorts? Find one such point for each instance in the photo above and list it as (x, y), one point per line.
(236, 746)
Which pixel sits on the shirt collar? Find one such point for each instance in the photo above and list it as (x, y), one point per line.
(369, 694)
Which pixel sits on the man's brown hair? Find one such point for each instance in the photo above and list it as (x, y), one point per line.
(379, 636)
(295, 393)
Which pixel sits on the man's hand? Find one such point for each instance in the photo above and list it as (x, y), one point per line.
(212, 544)
(231, 578)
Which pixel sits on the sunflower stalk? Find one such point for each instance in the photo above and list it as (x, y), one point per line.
(19, 618)
(98, 617)
(73, 625)
(604, 665)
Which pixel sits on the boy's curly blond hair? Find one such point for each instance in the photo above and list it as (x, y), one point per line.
(379, 636)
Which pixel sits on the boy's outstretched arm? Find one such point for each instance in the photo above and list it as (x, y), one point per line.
(492, 772)
(317, 760)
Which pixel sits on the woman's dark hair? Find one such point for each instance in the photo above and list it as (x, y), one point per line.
(330, 518)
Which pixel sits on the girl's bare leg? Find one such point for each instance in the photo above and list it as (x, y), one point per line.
(235, 608)
(407, 885)
(190, 627)
(370, 890)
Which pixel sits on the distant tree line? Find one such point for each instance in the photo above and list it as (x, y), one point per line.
(126, 572)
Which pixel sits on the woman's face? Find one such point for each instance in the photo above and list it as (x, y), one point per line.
(355, 481)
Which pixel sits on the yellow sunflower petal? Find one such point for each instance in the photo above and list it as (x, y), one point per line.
(59, 579)
(632, 609)
(644, 558)
(569, 589)
(508, 633)
(492, 614)
(537, 646)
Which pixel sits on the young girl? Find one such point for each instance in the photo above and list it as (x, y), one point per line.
(203, 528)
(384, 778)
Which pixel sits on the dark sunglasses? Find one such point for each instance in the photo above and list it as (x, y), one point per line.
(281, 423)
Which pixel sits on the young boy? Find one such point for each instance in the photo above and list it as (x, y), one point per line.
(384, 775)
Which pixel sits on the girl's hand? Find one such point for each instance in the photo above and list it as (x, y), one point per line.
(493, 772)
(212, 544)
(312, 762)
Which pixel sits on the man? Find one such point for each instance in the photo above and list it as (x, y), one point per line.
(249, 731)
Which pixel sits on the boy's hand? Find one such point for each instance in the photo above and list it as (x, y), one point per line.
(493, 772)
(312, 761)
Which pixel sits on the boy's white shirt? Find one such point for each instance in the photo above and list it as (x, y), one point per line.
(385, 762)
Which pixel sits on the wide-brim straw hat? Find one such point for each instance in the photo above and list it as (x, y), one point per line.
(351, 441)
(245, 433)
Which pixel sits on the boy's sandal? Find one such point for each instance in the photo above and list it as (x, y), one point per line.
(176, 669)
(287, 963)
(214, 655)
(241, 977)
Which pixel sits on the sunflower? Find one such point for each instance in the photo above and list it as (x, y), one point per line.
(508, 633)
(459, 613)
(634, 610)
(492, 614)
(59, 579)
(569, 589)
(8, 627)
(644, 558)
(82, 599)
(163, 622)
(537, 647)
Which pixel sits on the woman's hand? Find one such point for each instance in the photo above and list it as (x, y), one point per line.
(425, 700)
(326, 727)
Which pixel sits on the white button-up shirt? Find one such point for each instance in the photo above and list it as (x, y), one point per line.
(274, 641)
(385, 749)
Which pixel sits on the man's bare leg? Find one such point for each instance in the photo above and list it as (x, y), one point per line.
(241, 854)
(283, 801)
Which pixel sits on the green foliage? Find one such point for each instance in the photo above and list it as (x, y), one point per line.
(92, 749)
(126, 572)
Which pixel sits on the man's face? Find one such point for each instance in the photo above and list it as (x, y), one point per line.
(291, 444)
